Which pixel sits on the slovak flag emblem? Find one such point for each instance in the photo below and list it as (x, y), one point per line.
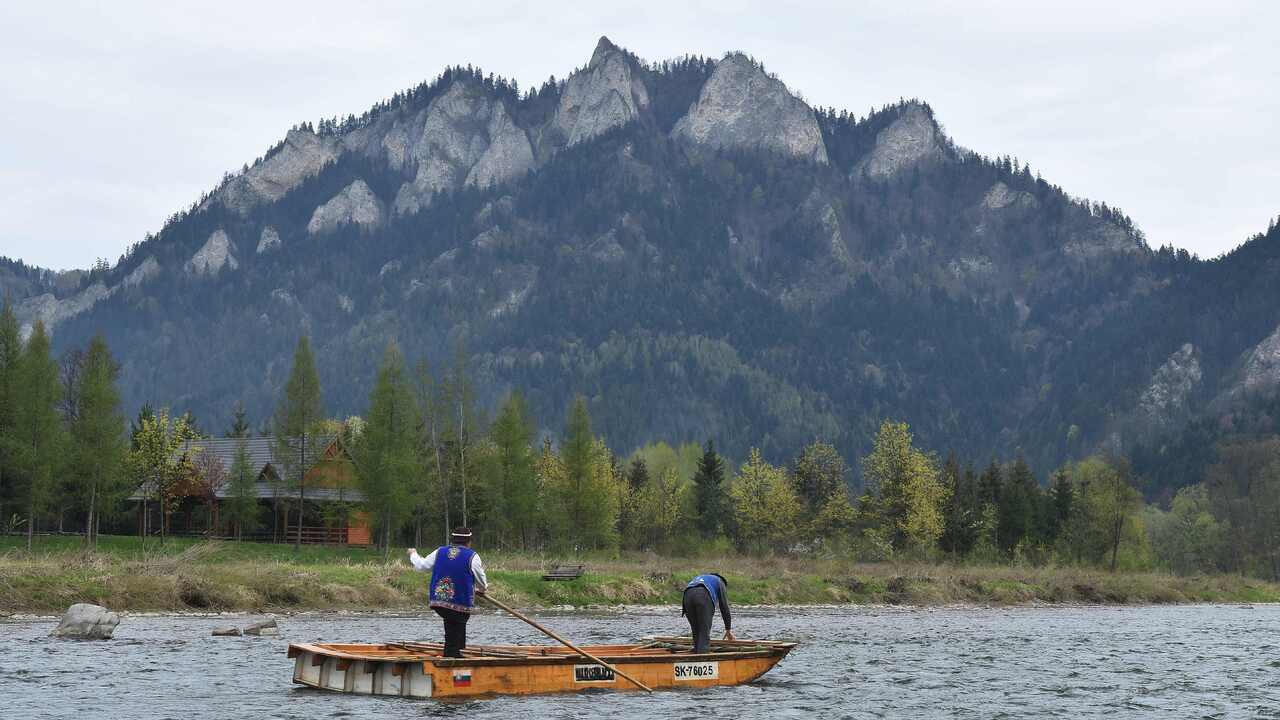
(462, 678)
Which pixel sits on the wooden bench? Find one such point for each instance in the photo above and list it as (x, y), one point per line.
(563, 572)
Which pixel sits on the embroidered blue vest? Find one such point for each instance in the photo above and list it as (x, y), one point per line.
(712, 584)
(452, 584)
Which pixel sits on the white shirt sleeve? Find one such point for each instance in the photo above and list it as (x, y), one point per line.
(477, 569)
(423, 564)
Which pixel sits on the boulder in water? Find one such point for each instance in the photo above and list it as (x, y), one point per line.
(226, 632)
(266, 627)
(87, 622)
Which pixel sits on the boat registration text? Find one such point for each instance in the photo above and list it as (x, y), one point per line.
(697, 671)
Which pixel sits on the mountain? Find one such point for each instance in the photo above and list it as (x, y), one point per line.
(700, 254)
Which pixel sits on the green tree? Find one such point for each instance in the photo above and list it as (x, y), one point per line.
(1104, 515)
(298, 414)
(387, 452)
(963, 510)
(240, 423)
(38, 436)
(462, 423)
(765, 505)
(1061, 499)
(1189, 539)
(709, 492)
(1244, 489)
(241, 506)
(516, 509)
(909, 494)
(837, 518)
(10, 362)
(663, 505)
(582, 489)
(433, 405)
(1018, 502)
(819, 471)
(155, 466)
(98, 446)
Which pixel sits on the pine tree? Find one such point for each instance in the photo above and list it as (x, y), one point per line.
(462, 421)
(241, 507)
(39, 433)
(710, 496)
(1062, 495)
(298, 414)
(586, 494)
(578, 454)
(97, 436)
(638, 474)
(387, 451)
(819, 472)
(516, 501)
(433, 406)
(10, 359)
(1017, 506)
(240, 423)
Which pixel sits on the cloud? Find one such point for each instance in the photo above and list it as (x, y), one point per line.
(122, 113)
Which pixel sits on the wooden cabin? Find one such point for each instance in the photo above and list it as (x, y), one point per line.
(330, 515)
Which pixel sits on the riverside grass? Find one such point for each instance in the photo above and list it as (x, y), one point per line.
(185, 575)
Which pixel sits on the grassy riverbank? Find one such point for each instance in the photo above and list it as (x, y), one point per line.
(184, 575)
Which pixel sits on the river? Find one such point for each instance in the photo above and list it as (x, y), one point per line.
(856, 662)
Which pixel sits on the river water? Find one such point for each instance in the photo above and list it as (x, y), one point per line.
(855, 662)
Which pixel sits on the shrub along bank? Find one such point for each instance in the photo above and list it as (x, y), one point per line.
(187, 576)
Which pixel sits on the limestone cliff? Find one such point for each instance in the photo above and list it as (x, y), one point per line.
(269, 239)
(302, 155)
(1166, 399)
(607, 93)
(910, 140)
(215, 254)
(742, 107)
(356, 204)
(466, 136)
(1262, 366)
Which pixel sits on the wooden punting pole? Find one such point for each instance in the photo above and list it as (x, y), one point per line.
(566, 643)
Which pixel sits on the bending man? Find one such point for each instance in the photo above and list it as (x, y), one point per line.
(456, 576)
(701, 596)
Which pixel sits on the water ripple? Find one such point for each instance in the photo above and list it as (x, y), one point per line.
(1189, 661)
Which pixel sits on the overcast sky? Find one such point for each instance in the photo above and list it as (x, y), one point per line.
(118, 114)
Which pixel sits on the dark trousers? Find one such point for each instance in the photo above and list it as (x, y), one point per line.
(699, 609)
(455, 630)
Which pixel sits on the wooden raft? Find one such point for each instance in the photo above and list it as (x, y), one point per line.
(413, 669)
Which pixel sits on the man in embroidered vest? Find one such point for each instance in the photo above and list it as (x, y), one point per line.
(456, 576)
(701, 596)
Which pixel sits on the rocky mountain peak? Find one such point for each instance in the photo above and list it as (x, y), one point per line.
(607, 93)
(604, 47)
(466, 136)
(741, 106)
(912, 139)
(302, 154)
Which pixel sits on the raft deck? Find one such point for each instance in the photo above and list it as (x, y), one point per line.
(418, 670)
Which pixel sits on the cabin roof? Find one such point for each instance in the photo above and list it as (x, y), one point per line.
(262, 460)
